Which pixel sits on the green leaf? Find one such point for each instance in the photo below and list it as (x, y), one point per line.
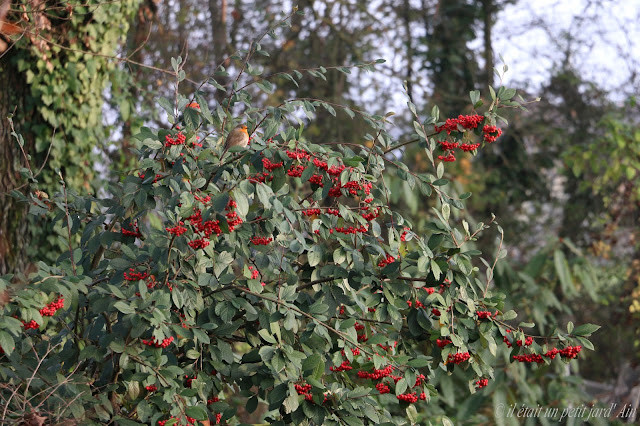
(124, 308)
(264, 194)
(252, 404)
(419, 362)
(412, 414)
(507, 94)
(242, 202)
(314, 366)
(585, 329)
(509, 315)
(564, 275)
(220, 202)
(292, 402)
(152, 143)
(315, 255)
(197, 413)
(401, 386)
(265, 85)
(435, 269)
(6, 342)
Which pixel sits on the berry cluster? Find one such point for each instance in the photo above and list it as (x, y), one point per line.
(295, 171)
(332, 171)
(298, 154)
(132, 275)
(468, 122)
(260, 177)
(442, 342)
(458, 358)
(199, 243)
(179, 139)
(190, 421)
(405, 231)
(388, 348)
(218, 415)
(569, 352)
(468, 147)
(350, 230)
(203, 200)
(528, 341)
(484, 314)
(134, 232)
(482, 383)
(411, 397)
(491, 133)
(316, 180)
(304, 390)
(31, 324)
(254, 273)
(51, 308)
(382, 388)
(204, 227)
(153, 342)
(232, 217)
(373, 214)
(188, 380)
(155, 179)
(151, 388)
(194, 143)
(447, 158)
(418, 304)
(261, 241)
(386, 261)
(530, 358)
(377, 374)
(459, 125)
(345, 366)
(177, 230)
(313, 212)
(351, 187)
(269, 166)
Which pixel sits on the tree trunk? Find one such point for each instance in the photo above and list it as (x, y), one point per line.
(487, 10)
(14, 225)
(138, 34)
(220, 41)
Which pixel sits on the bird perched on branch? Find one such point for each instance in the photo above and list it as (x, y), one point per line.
(237, 137)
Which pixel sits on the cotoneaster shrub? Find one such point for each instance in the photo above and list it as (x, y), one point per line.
(275, 281)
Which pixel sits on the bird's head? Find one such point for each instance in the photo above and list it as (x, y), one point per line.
(242, 127)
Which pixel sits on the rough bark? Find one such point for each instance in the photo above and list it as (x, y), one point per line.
(14, 227)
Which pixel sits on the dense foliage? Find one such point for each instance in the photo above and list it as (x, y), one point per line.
(276, 280)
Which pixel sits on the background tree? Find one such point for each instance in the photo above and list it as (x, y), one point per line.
(57, 66)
